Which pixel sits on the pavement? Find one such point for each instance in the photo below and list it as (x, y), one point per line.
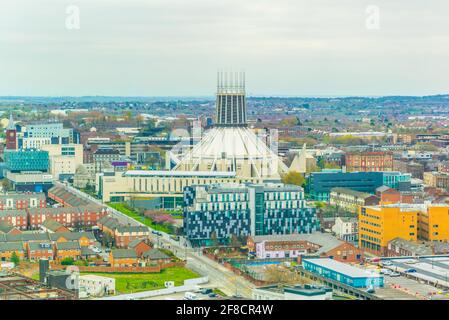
(402, 288)
(219, 276)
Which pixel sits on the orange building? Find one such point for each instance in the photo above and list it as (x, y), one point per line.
(378, 225)
(433, 223)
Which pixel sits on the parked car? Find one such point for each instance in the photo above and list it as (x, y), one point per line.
(156, 233)
(385, 271)
(190, 296)
(386, 263)
(370, 290)
(213, 295)
(395, 274)
(412, 261)
(410, 270)
(206, 291)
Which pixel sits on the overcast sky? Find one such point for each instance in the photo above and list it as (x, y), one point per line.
(175, 47)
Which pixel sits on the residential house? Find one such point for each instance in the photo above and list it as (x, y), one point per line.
(67, 249)
(156, 256)
(8, 248)
(40, 250)
(123, 258)
(140, 246)
(53, 226)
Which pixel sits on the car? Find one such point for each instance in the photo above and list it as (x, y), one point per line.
(411, 262)
(385, 271)
(206, 291)
(370, 290)
(213, 295)
(395, 274)
(190, 296)
(156, 233)
(387, 263)
(107, 250)
(410, 271)
(176, 238)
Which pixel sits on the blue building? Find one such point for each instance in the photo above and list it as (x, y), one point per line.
(26, 160)
(218, 212)
(344, 273)
(319, 184)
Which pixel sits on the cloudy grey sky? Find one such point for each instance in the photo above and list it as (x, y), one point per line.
(175, 47)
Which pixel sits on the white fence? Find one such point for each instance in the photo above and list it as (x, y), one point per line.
(189, 285)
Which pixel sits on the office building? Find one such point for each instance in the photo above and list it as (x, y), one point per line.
(64, 159)
(378, 225)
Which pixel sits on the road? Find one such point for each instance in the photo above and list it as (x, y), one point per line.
(221, 277)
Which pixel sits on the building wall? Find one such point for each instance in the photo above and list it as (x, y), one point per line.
(125, 187)
(434, 223)
(369, 161)
(379, 225)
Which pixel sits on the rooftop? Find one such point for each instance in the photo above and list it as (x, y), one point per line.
(342, 268)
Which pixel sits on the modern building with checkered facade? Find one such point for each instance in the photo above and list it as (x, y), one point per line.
(215, 213)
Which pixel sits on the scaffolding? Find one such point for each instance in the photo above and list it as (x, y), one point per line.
(15, 286)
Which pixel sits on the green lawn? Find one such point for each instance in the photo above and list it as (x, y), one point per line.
(124, 208)
(136, 282)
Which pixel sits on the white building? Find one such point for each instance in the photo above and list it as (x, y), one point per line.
(346, 229)
(64, 158)
(306, 292)
(97, 286)
(230, 146)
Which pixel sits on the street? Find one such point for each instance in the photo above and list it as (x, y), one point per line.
(219, 276)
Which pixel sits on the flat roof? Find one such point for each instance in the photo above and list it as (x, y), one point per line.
(343, 268)
(179, 173)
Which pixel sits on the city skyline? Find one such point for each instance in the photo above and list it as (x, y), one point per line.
(166, 48)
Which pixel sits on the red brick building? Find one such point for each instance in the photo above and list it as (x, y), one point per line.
(389, 196)
(87, 215)
(40, 250)
(16, 218)
(140, 246)
(369, 161)
(22, 201)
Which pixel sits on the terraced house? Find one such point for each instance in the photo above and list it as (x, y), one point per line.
(8, 248)
(350, 200)
(68, 249)
(22, 201)
(85, 215)
(17, 218)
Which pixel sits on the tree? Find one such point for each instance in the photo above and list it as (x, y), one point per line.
(214, 239)
(293, 177)
(68, 261)
(281, 275)
(235, 241)
(15, 258)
